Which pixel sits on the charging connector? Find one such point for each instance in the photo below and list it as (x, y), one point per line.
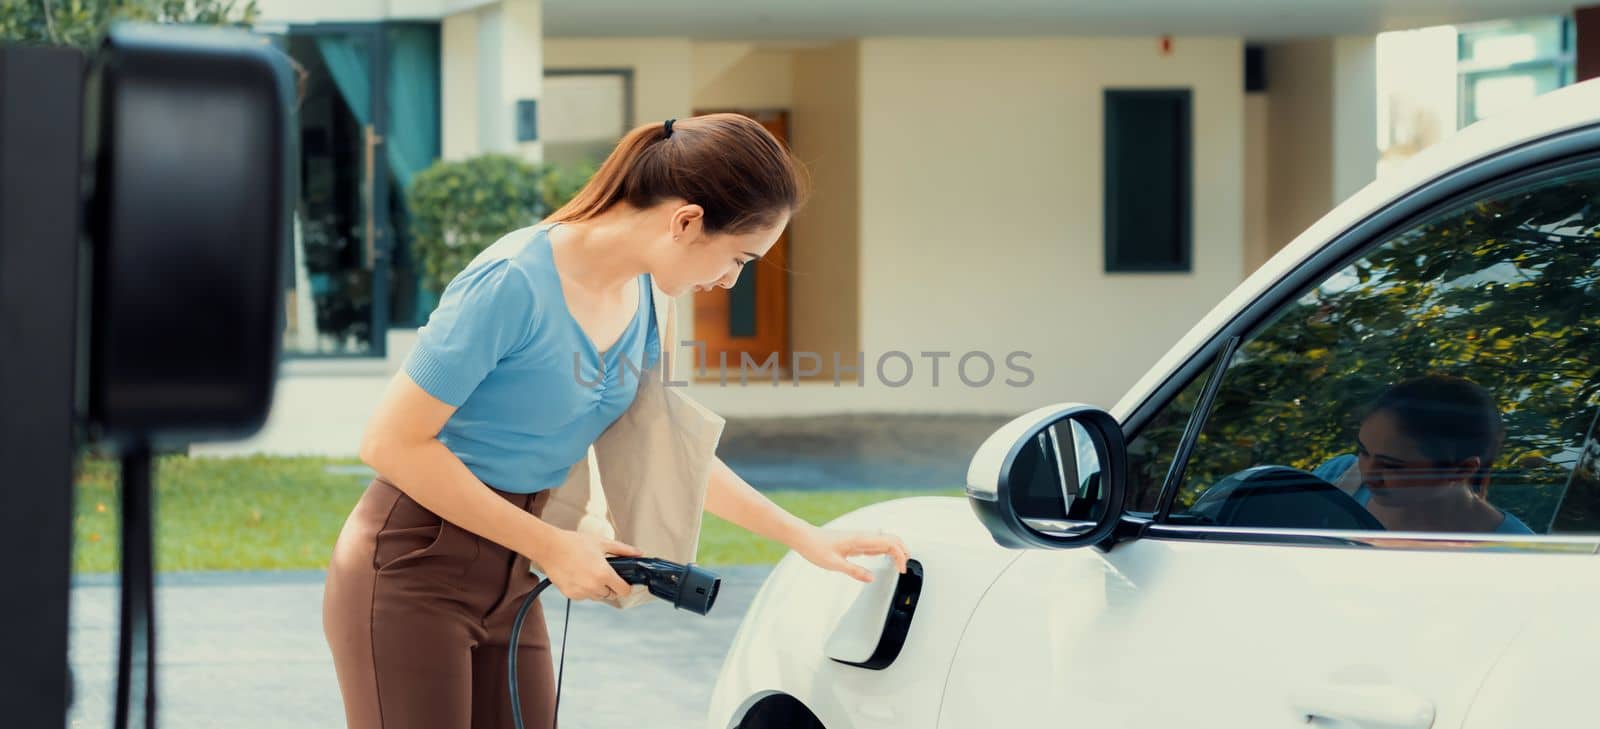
(686, 586)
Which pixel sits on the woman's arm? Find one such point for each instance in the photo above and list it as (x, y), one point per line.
(732, 498)
(401, 443)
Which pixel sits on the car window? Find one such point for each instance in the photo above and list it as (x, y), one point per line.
(1445, 381)
(1150, 454)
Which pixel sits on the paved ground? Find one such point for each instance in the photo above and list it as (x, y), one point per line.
(245, 651)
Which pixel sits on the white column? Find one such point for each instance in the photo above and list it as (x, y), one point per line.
(1299, 139)
(1322, 129)
(510, 70)
(521, 70)
(458, 76)
(1258, 244)
(493, 59)
(491, 134)
(1355, 114)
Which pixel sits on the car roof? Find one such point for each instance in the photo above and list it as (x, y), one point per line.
(1561, 110)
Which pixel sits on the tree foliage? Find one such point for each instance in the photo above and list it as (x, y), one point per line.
(1503, 292)
(82, 23)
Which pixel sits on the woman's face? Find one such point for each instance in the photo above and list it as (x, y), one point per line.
(696, 261)
(1394, 466)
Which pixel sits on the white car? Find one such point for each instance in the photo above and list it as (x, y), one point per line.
(1364, 491)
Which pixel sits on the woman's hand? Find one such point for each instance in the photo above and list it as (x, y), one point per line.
(828, 549)
(576, 564)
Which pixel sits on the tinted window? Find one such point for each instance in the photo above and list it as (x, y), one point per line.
(1150, 455)
(1446, 380)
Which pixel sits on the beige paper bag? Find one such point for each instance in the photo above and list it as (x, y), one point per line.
(652, 466)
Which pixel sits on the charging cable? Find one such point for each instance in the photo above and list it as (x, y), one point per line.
(512, 650)
(686, 586)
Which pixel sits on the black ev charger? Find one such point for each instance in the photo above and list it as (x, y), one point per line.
(145, 202)
(686, 586)
(189, 145)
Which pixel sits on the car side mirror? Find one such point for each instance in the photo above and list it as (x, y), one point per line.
(1052, 478)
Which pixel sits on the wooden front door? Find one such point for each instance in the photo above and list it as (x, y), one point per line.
(752, 318)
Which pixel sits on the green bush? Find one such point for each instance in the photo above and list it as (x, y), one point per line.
(458, 208)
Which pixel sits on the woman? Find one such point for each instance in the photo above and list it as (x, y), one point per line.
(1424, 456)
(533, 353)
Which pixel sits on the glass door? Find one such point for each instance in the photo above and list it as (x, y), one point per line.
(338, 287)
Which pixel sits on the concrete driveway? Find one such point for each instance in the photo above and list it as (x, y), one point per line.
(245, 651)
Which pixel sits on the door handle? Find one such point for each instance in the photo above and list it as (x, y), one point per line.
(1369, 706)
(369, 176)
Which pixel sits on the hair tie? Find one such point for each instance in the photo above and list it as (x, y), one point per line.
(667, 126)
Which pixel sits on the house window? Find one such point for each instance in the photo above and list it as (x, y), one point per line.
(1147, 180)
(1505, 64)
(583, 112)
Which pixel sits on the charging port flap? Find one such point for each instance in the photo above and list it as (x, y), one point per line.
(873, 629)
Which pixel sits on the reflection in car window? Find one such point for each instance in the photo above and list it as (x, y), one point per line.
(1150, 455)
(1444, 381)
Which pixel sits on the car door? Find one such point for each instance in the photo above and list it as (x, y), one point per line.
(1347, 507)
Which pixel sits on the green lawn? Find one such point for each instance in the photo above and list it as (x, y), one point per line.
(283, 513)
(722, 543)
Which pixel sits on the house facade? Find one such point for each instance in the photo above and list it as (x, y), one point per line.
(1013, 204)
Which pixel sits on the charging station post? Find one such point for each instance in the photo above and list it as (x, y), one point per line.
(41, 97)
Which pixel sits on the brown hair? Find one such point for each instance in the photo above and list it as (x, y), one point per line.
(727, 164)
(1452, 418)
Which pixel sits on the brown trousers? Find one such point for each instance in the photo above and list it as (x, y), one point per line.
(418, 611)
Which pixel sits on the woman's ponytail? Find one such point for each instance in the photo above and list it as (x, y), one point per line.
(727, 164)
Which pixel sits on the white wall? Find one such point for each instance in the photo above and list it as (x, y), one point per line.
(825, 257)
(458, 85)
(979, 204)
(1416, 92)
(1322, 129)
(1355, 110)
(490, 47)
(742, 76)
(674, 77)
(663, 71)
(1258, 246)
(1299, 137)
(506, 39)
(981, 225)
(982, 200)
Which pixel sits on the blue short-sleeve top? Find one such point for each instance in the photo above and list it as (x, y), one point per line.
(531, 390)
